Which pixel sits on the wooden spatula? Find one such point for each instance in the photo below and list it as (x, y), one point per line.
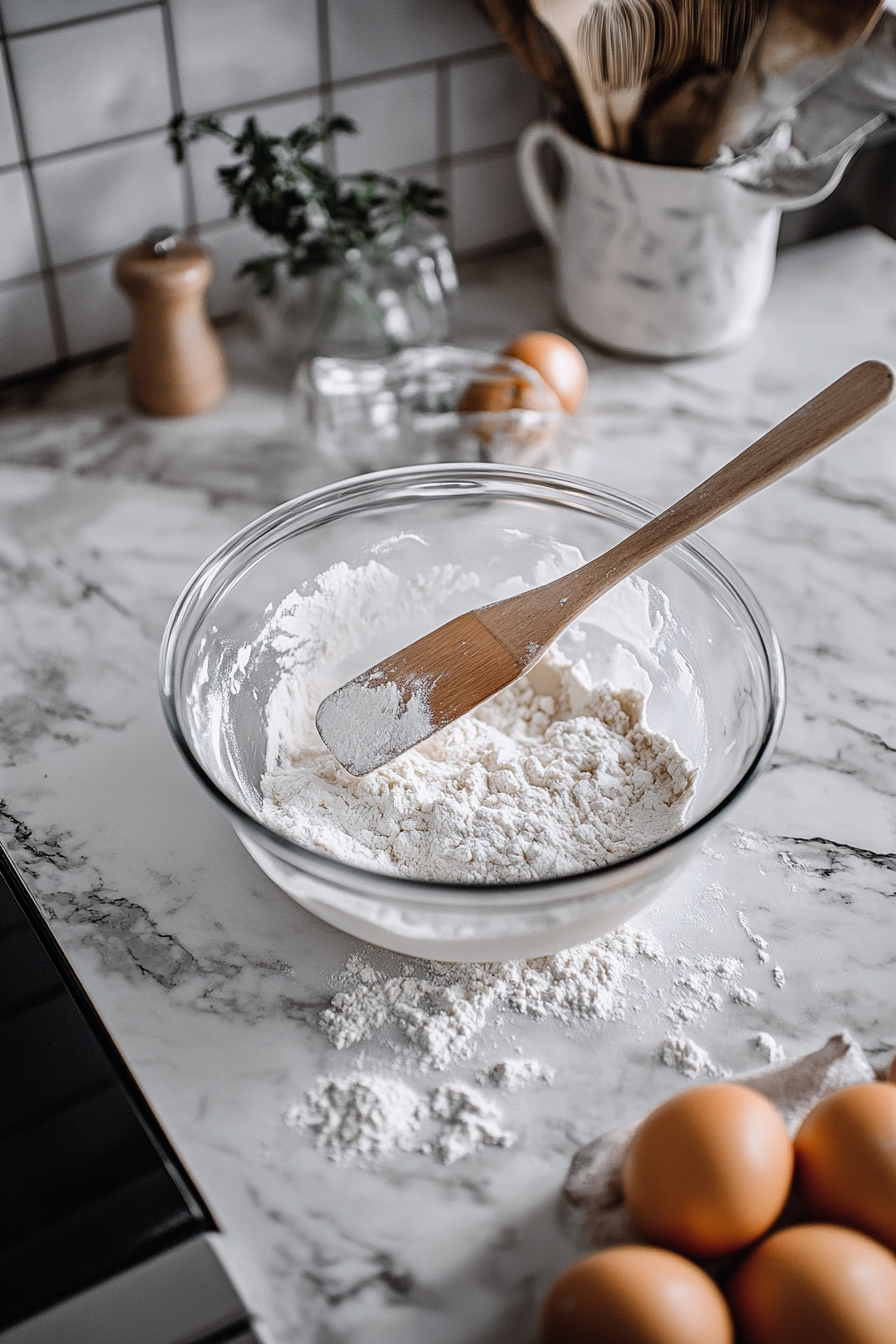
(406, 698)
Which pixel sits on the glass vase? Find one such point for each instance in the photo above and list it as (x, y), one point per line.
(380, 299)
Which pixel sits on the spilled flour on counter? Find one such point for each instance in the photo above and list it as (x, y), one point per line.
(439, 1009)
(773, 1052)
(551, 776)
(706, 983)
(511, 1075)
(760, 943)
(366, 1118)
(689, 1058)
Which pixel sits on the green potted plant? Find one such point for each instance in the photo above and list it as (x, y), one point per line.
(358, 268)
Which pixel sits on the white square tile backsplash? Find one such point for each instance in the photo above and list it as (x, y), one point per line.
(230, 245)
(110, 75)
(18, 246)
(9, 145)
(237, 51)
(367, 36)
(105, 199)
(492, 100)
(396, 120)
(22, 14)
(94, 312)
(487, 202)
(85, 170)
(26, 337)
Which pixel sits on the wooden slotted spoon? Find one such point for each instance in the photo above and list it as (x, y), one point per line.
(616, 41)
(562, 18)
(406, 698)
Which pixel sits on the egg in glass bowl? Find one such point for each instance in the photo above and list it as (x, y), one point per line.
(685, 631)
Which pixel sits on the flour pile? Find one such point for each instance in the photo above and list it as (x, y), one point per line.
(773, 1051)
(367, 1118)
(440, 1012)
(437, 1011)
(510, 1075)
(552, 776)
(689, 1058)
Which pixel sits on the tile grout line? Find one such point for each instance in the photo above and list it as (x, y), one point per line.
(325, 76)
(93, 146)
(61, 24)
(503, 150)
(187, 185)
(443, 142)
(414, 67)
(324, 89)
(51, 292)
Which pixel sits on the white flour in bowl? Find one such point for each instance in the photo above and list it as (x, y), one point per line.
(552, 776)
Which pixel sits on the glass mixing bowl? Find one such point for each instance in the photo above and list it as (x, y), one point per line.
(688, 623)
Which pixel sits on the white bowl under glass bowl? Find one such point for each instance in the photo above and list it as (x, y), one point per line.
(688, 623)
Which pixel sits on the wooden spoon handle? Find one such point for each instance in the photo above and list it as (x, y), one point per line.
(824, 419)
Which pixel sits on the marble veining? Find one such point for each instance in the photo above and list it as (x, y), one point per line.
(212, 980)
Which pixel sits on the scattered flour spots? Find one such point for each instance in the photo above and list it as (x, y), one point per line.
(760, 943)
(689, 1058)
(778, 973)
(470, 1122)
(511, 1075)
(367, 1119)
(439, 1009)
(728, 969)
(747, 841)
(773, 1052)
(748, 997)
(702, 986)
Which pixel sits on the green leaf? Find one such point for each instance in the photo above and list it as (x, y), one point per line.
(317, 215)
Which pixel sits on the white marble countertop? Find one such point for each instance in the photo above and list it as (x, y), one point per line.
(212, 980)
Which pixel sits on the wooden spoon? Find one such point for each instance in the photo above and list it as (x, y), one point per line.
(685, 111)
(562, 18)
(406, 698)
(538, 51)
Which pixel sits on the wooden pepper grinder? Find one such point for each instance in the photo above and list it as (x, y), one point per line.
(175, 361)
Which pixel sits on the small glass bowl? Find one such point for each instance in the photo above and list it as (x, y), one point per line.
(425, 404)
(705, 642)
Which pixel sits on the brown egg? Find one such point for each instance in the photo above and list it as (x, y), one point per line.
(635, 1295)
(816, 1284)
(708, 1171)
(559, 362)
(893, 1070)
(846, 1160)
(506, 393)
